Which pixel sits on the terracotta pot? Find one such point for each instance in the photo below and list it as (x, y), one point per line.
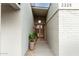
(32, 44)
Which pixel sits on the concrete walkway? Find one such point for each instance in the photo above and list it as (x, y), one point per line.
(41, 49)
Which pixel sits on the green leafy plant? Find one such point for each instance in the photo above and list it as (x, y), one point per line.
(35, 34)
(32, 36)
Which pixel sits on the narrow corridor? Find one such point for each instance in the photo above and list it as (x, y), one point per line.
(22, 24)
(41, 46)
(41, 49)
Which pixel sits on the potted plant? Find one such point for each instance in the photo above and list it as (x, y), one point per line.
(32, 39)
(35, 34)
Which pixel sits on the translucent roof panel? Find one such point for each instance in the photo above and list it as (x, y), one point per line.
(42, 5)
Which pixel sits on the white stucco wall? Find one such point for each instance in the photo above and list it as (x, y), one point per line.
(0, 18)
(16, 24)
(0, 28)
(10, 31)
(52, 29)
(69, 30)
(52, 9)
(27, 25)
(67, 20)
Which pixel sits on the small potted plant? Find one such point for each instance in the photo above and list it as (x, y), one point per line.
(32, 39)
(35, 36)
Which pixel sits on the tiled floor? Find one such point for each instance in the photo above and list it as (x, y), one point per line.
(41, 49)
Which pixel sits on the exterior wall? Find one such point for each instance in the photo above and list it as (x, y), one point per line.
(27, 25)
(0, 28)
(52, 29)
(10, 31)
(52, 9)
(69, 30)
(65, 22)
(15, 26)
